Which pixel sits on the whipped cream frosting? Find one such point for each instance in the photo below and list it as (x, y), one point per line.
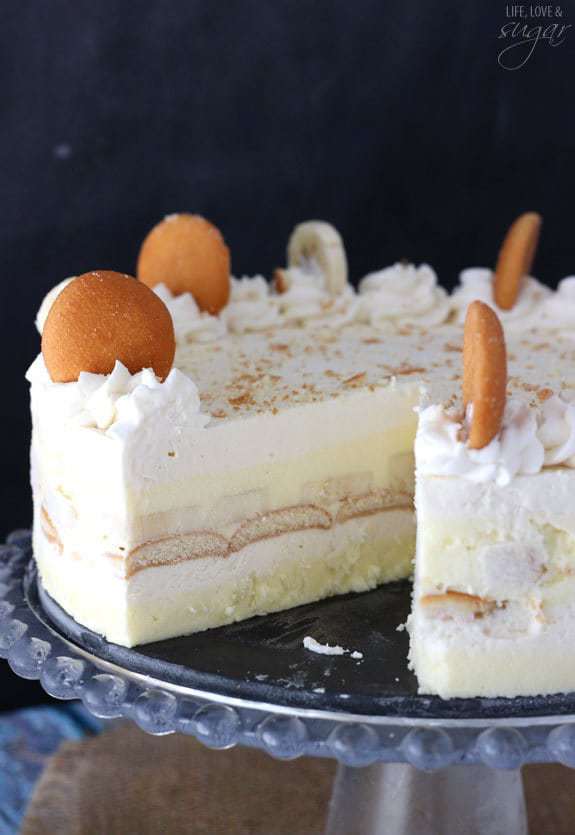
(530, 438)
(190, 325)
(403, 294)
(251, 307)
(557, 432)
(308, 299)
(559, 307)
(476, 283)
(47, 303)
(118, 403)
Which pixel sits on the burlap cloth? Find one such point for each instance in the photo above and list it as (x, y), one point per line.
(125, 782)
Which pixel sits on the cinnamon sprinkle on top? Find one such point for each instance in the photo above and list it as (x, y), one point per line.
(354, 379)
(544, 394)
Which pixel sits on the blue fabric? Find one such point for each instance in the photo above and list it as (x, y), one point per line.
(28, 738)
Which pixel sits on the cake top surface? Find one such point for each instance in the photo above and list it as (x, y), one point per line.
(312, 337)
(499, 434)
(253, 373)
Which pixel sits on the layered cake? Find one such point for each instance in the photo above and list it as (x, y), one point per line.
(494, 593)
(207, 448)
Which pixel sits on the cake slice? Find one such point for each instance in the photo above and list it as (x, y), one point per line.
(494, 595)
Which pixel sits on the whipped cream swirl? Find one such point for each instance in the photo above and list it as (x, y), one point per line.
(251, 306)
(476, 283)
(559, 307)
(118, 403)
(403, 294)
(47, 303)
(190, 325)
(557, 432)
(517, 450)
(308, 299)
(530, 438)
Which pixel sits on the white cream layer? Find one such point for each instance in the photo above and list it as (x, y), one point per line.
(495, 542)
(166, 473)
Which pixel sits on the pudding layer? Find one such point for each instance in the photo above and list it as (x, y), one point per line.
(264, 576)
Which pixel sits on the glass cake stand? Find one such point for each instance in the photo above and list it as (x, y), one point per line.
(408, 764)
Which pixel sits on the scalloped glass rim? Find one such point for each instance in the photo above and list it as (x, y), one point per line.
(65, 671)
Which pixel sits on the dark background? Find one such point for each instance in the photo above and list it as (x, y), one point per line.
(391, 119)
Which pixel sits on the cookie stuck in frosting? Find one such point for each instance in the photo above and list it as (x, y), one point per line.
(188, 254)
(104, 316)
(516, 258)
(484, 373)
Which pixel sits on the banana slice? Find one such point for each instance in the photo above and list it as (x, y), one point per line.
(317, 245)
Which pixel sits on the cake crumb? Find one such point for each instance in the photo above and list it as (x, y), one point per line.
(326, 649)
(322, 649)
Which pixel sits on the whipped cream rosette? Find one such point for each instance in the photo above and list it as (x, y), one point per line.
(476, 284)
(190, 324)
(306, 298)
(403, 294)
(252, 307)
(557, 432)
(119, 402)
(517, 450)
(558, 311)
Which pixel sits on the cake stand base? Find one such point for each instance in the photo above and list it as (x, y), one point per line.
(397, 799)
